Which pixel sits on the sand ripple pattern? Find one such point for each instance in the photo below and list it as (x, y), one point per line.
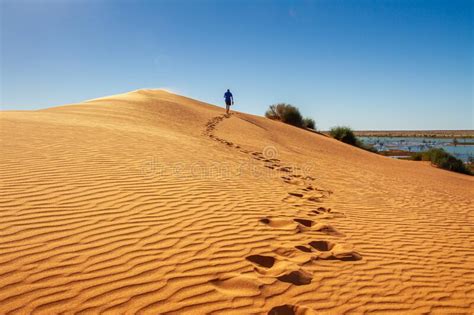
(121, 205)
(286, 264)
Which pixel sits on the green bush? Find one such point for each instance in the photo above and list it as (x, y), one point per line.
(442, 159)
(344, 134)
(418, 156)
(309, 123)
(286, 113)
(275, 111)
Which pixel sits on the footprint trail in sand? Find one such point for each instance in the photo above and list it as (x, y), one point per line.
(121, 205)
(287, 265)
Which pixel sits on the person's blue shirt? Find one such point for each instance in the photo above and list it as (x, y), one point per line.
(228, 96)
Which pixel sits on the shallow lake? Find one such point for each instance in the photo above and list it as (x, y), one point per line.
(419, 144)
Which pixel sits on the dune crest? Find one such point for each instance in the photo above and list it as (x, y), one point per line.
(149, 202)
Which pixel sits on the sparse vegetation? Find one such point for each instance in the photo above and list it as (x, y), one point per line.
(470, 164)
(344, 134)
(443, 160)
(309, 123)
(347, 135)
(438, 157)
(289, 114)
(286, 113)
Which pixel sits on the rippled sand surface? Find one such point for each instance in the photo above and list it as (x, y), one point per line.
(153, 203)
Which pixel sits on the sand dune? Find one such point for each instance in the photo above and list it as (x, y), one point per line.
(152, 203)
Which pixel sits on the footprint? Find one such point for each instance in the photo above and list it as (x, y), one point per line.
(347, 257)
(339, 252)
(270, 162)
(286, 270)
(298, 277)
(303, 248)
(237, 285)
(288, 309)
(301, 225)
(322, 246)
(278, 223)
(315, 198)
(261, 260)
(312, 196)
(296, 182)
(295, 255)
(305, 222)
(329, 251)
(321, 210)
(326, 213)
(265, 220)
(298, 225)
(296, 194)
(327, 229)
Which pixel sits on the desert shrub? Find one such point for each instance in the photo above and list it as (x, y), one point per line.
(344, 134)
(309, 123)
(443, 160)
(286, 113)
(275, 111)
(293, 117)
(418, 156)
(470, 164)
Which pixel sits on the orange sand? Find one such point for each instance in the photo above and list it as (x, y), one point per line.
(150, 202)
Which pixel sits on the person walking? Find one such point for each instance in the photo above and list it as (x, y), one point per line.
(229, 100)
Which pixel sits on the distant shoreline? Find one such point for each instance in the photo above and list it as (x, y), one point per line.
(416, 133)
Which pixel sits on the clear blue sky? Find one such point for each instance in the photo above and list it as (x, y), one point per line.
(366, 64)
